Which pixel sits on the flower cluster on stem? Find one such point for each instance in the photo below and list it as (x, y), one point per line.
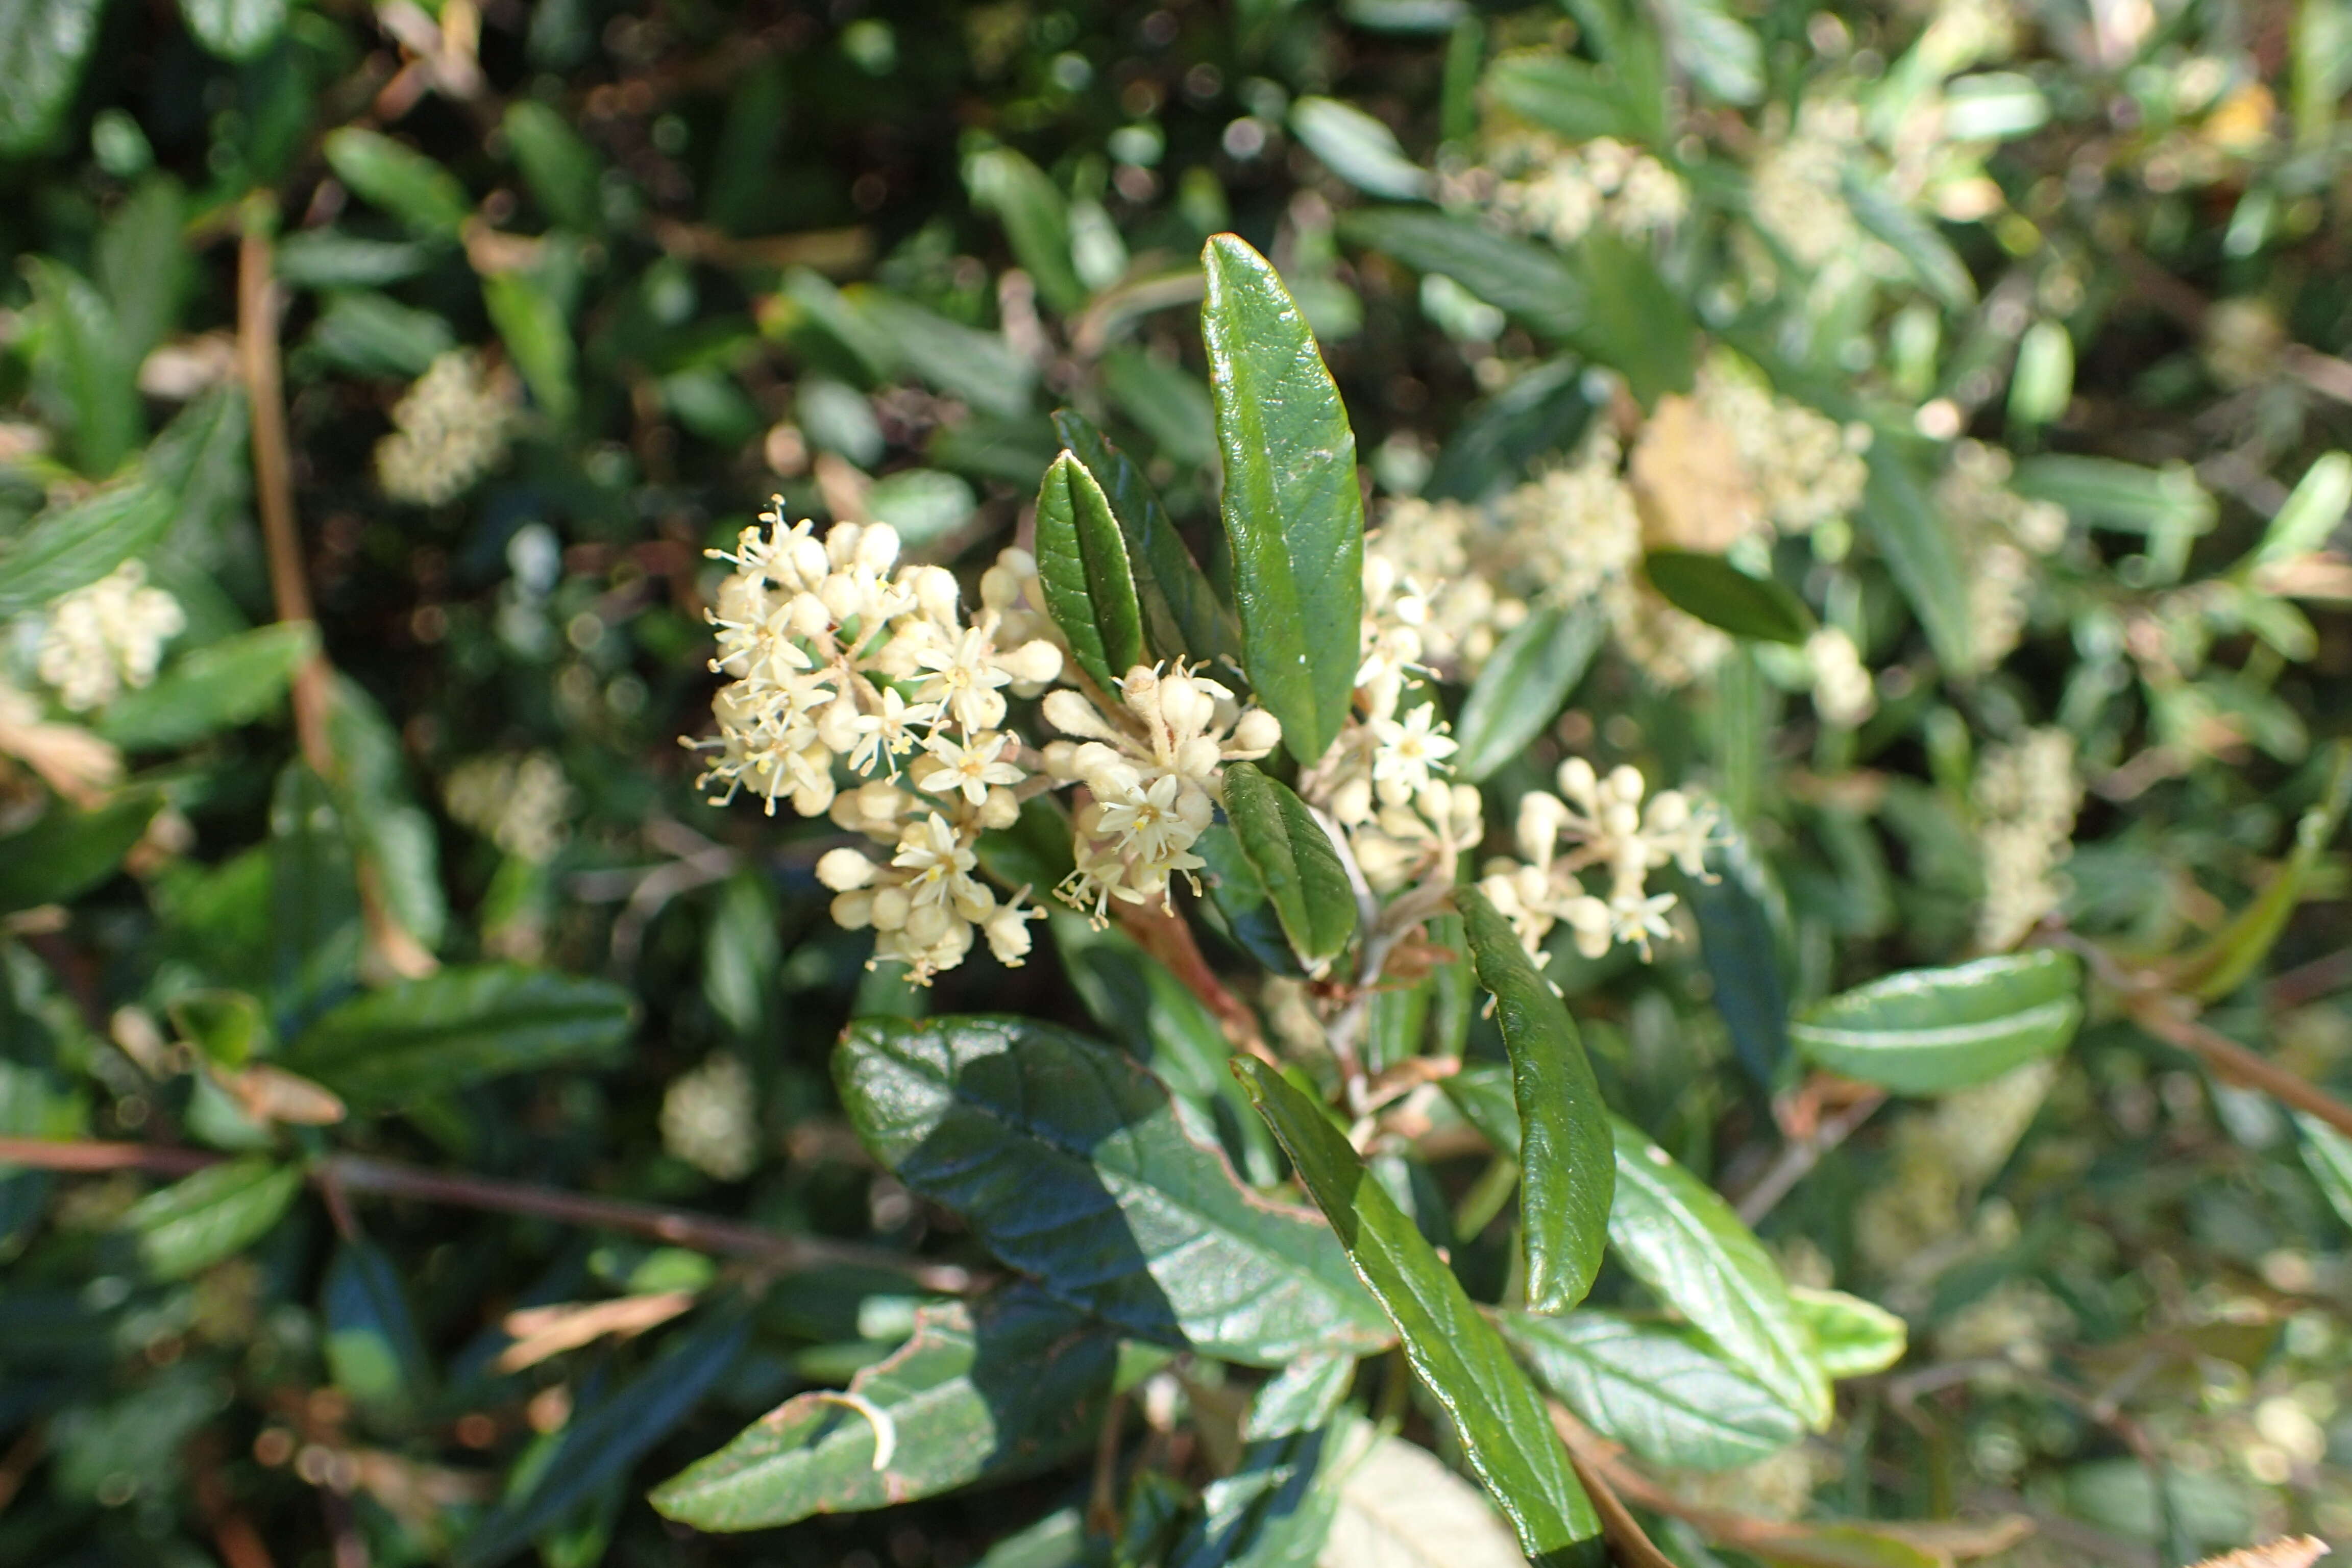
(1597, 822)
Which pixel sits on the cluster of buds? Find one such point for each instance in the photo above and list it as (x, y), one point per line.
(1152, 764)
(1602, 822)
(100, 638)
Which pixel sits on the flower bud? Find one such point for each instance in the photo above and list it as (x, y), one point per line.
(999, 588)
(837, 725)
(853, 911)
(1060, 761)
(1001, 809)
(1351, 803)
(1625, 784)
(1184, 707)
(1579, 785)
(808, 616)
(1140, 688)
(877, 547)
(1258, 733)
(844, 870)
(1033, 663)
(807, 561)
(926, 923)
(1198, 758)
(841, 544)
(890, 907)
(935, 592)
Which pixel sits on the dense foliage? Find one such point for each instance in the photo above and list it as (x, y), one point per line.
(1493, 783)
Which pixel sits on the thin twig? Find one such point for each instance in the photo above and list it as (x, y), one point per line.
(1798, 1158)
(2308, 983)
(1166, 936)
(363, 1174)
(2166, 1018)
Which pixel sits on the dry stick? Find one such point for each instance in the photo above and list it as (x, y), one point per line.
(2310, 982)
(257, 303)
(362, 1173)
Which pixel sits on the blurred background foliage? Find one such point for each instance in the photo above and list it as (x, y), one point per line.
(560, 294)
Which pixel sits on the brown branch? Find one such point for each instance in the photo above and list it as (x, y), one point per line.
(2308, 983)
(362, 1173)
(2166, 1017)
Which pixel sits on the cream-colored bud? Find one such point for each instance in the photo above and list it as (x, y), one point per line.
(1195, 809)
(1258, 733)
(1140, 688)
(841, 543)
(1434, 801)
(1198, 757)
(843, 595)
(1034, 663)
(1669, 810)
(1184, 707)
(890, 907)
(807, 616)
(810, 798)
(844, 870)
(1577, 784)
(1625, 784)
(1379, 577)
(935, 592)
(807, 561)
(1060, 761)
(926, 923)
(1537, 828)
(1001, 809)
(1074, 715)
(837, 725)
(1351, 803)
(1469, 809)
(1019, 561)
(999, 589)
(877, 547)
(854, 910)
(1620, 819)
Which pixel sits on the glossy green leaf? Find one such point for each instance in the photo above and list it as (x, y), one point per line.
(531, 324)
(1358, 148)
(72, 546)
(1656, 1390)
(997, 1388)
(1168, 402)
(564, 173)
(1036, 219)
(1567, 1155)
(43, 45)
(1082, 561)
(1459, 1355)
(235, 29)
(1294, 514)
(86, 360)
(1302, 1396)
(2327, 1155)
(2229, 958)
(67, 851)
(979, 367)
(458, 1027)
(1275, 1510)
(1677, 1237)
(1244, 910)
(399, 179)
(1854, 1338)
(218, 687)
(1528, 281)
(1917, 544)
(2311, 513)
(1182, 616)
(216, 1214)
(1721, 594)
(1069, 1163)
(1927, 1031)
(600, 1444)
(373, 1350)
(1741, 947)
(1294, 863)
(1522, 687)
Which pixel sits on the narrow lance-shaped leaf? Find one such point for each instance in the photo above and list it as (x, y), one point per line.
(1182, 616)
(998, 1388)
(1567, 1155)
(1069, 1162)
(216, 1214)
(1677, 1237)
(1653, 1389)
(1928, 1031)
(1522, 686)
(2231, 954)
(1294, 859)
(43, 45)
(67, 852)
(1920, 553)
(1293, 512)
(1721, 594)
(1082, 561)
(1505, 1432)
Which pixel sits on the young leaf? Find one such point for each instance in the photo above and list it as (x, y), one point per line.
(1567, 1155)
(455, 1028)
(1675, 1236)
(1575, 98)
(1635, 322)
(1293, 512)
(1721, 594)
(1522, 687)
(220, 686)
(1653, 1389)
(1183, 617)
(228, 1028)
(1855, 1337)
(1458, 1354)
(1927, 1031)
(82, 350)
(67, 851)
(1082, 561)
(216, 1214)
(1069, 1162)
(600, 1444)
(397, 177)
(1295, 862)
(72, 546)
(982, 1392)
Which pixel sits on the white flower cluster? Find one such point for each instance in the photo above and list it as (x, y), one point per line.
(449, 429)
(2001, 535)
(1796, 188)
(98, 639)
(1601, 823)
(709, 1119)
(1560, 191)
(1802, 468)
(2026, 797)
(523, 803)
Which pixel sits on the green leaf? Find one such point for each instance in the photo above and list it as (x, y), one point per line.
(1069, 1163)
(529, 320)
(598, 1445)
(1740, 948)
(328, 258)
(314, 901)
(1082, 561)
(1457, 1353)
(87, 367)
(1000, 1387)
(141, 263)
(1358, 148)
(1856, 1338)
(371, 334)
(1168, 401)
(1931, 256)
(2310, 511)
(69, 851)
(1538, 413)
(2229, 958)
(220, 686)
(1275, 1510)
(1720, 53)
(1575, 98)
(216, 1214)
(2327, 1155)
(1182, 616)
(44, 44)
(979, 367)
(564, 173)
(404, 181)
(922, 504)
(1677, 1237)
(1655, 1390)
(1721, 594)
(1530, 281)
(1917, 545)
(1928, 1031)
(458, 1028)
(1056, 1540)
(373, 1348)
(1294, 863)
(228, 1027)
(1300, 1397)
(389, 833)
(1036, 219)
(235, 29)
(1567, 1155)
(1522, 687)
(1293, 512)
(2101, 492)
(74, 545)
(1237, 894)
(1635, 322)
